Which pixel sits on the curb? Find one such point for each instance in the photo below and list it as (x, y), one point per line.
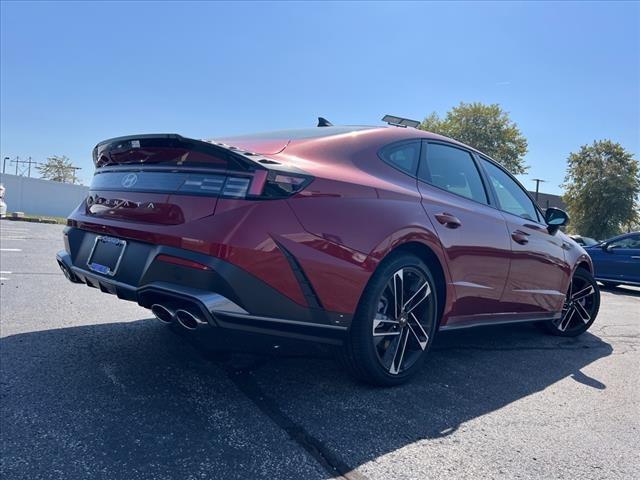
(32, 219)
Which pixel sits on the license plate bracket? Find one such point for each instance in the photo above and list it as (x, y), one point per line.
(106, 255)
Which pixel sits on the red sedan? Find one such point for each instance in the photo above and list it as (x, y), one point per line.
(373, 238)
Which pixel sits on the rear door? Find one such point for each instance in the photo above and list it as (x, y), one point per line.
(539, 274)
(472, 232)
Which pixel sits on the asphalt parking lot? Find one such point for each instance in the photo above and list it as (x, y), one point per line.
(93, 387)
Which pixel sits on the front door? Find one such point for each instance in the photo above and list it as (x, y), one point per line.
(539, 274)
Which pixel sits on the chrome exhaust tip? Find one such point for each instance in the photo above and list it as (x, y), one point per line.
(188, 320)
(65, 270)
(162, 313)
(68, 273)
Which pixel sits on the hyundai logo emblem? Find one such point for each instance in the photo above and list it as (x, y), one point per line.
(129, 180)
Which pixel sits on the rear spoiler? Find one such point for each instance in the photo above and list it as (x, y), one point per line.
(259, 176)
(104, 151)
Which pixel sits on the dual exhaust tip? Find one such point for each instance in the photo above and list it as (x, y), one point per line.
(184, 317)
(68, 273)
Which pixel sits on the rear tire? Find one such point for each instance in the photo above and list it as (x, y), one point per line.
(580, 308)
(395, 323)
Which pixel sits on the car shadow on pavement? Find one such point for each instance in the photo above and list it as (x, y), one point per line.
(132, 400)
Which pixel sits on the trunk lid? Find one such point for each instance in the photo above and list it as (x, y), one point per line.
(169, 179)
(164, 178)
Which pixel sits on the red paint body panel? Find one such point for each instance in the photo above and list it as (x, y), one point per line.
(477, 252)
(353, 214)
(539, 275)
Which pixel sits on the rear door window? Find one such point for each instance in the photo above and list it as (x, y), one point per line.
(454, 170)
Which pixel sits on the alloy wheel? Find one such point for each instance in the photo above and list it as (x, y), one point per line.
(404, 320)
(579, 306)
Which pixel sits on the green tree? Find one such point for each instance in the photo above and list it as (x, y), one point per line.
(602, 187)
(59, 169)
(487, 128)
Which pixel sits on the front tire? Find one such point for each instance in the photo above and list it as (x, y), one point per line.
(395, 323)
(580, 308)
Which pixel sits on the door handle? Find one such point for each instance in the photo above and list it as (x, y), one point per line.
(448, 220)
(637, 257)
(520, 237)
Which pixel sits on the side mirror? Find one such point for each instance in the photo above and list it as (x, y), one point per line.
(555, 219)
(607, 247)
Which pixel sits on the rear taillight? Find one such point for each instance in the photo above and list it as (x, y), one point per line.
(274, 184)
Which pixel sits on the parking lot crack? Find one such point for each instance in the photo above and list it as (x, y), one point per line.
(244, 380)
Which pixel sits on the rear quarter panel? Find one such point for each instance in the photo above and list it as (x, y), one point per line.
(364, 205)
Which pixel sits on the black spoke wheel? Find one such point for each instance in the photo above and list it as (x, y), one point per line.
(395, 322)
(580, 307)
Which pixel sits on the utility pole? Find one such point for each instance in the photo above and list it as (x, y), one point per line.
(26, 169)
(31, 162)
(74, 170)
(538, 182)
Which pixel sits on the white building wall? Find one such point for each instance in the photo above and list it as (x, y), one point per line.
(35, 196)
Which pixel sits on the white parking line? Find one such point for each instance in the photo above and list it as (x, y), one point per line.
(10, 249)
(2, 272)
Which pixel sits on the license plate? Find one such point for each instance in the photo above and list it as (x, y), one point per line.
(106, 255)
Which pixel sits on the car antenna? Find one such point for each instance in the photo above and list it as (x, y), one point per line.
(400, 122)
(323, 122)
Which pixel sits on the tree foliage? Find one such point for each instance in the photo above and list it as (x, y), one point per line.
(602, 187)
(487, 128)
(59, 169)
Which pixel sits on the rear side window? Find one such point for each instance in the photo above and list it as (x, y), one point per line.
(403, 156)
(454, 170)
(511, 196)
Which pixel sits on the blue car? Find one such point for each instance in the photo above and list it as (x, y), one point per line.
(617, 261)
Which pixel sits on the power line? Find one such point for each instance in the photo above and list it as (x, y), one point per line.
(28, 164)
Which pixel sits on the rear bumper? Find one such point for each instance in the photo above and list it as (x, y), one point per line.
(224, 294)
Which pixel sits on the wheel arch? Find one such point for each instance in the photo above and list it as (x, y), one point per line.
(429, 256)
(584, 265)
(583, 261)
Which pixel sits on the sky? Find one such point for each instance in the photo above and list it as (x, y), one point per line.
(73, 74)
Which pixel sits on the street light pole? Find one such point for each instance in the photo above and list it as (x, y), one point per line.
(538, 182)
(4, 164)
